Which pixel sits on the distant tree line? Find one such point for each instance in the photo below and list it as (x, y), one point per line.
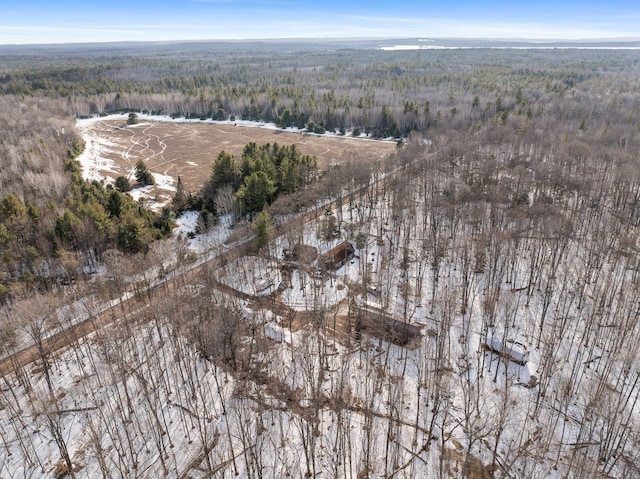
(381, 94)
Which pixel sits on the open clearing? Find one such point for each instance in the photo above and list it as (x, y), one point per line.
(188, 149)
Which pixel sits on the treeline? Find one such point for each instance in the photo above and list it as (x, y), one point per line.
(36, 136)
(372, 92)
(263, 172)
(46, 243)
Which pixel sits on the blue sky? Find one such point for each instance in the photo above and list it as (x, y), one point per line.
(63, 21)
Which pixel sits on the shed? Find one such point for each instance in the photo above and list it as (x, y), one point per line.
(511, 351)
(338, 255)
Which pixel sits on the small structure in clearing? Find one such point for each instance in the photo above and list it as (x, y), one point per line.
(338, 255)
(372, 319)
(512, 351)
(385, 327)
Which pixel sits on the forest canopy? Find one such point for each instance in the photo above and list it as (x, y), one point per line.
(466, 306)
(550, 99)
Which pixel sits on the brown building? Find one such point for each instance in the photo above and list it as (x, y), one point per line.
(338, 255)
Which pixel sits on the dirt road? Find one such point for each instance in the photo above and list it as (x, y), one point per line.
(72, 334)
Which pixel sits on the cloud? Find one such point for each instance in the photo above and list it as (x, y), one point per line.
(473, 28)
(385, 19)
(262, 19)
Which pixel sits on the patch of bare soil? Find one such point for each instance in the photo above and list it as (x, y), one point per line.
(189, 149)
(469, 465)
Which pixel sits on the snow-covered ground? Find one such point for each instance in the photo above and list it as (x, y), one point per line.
(93, 158)
(251, 275)
(206, 245)
(308, 293)
(137, 400)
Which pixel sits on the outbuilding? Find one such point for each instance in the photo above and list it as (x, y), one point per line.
(338, 255)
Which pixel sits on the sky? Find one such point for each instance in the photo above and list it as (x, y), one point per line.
(74, 21)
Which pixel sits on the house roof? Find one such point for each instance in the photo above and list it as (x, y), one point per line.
(339, 248)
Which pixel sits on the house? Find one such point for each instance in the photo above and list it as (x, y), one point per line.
(338, 255)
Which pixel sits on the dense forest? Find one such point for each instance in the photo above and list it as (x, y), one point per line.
(564, 96)
(383, 93)
(509, 214)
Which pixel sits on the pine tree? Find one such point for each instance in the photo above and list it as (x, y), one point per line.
(289, 176)
(115, 203)
(225, 170)
(143, 175)
(122, 184)
(261, 228)
(181, 198)
(256, 191)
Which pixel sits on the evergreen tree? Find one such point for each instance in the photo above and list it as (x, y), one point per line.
(11, 207)
(289, 176)
(256, 191)
(225, 170)
(143, 175)
(114, 204)
(122, 184)
(261, 228)
(181, 198)
(221, 115)
(130, 235)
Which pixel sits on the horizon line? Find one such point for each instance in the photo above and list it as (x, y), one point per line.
(622, 39)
